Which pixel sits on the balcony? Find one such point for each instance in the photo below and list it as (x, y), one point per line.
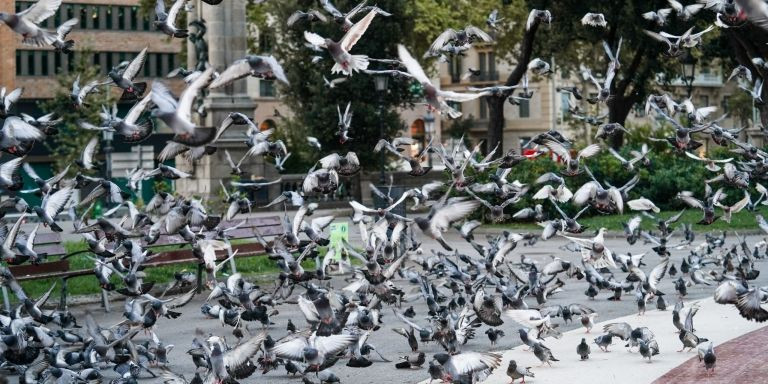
(483, 77)
(708, 79)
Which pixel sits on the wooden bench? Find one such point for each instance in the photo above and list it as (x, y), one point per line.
(61, 268)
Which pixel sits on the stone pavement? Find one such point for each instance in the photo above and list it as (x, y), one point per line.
(741, 360)
(718, 323)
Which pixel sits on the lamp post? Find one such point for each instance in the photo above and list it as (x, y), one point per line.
(382, 83)
(107, 136)
(429, 126)
(689, 71)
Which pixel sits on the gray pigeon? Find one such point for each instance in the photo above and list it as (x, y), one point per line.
(515, 372)
(346, 63)
(265, 67)
(603, 341)
(543, 353)
(26, 22)
(583, 349)
(166, 22)
(123, 77)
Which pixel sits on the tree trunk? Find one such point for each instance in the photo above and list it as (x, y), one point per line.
(495, 125)
(617, 113)
(496, 119)
(621, 103)
(749, 42)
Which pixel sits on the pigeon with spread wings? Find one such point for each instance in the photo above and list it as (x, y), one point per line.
(345, 62)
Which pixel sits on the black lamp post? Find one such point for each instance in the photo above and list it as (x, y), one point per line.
(429, 126)
(689, 71)
(107, 136)
(382, 83)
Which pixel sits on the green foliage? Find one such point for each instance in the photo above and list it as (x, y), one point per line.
(65, 146)
(643, 60)
(432, 17)
(313, 104)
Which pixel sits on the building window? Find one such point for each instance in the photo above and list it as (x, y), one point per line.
(454, 67)
(492, 74)
(45, 71)
(267, 124)
(57, 56)
(724, 104)
(266, 88)
(418, 134)
(525, 108)
(704, 100)
(121, 18)
(483, 108)
(565, 103)
(30, 64)
(266, 42)
(522, 142)
(19, 62)
(134, 12)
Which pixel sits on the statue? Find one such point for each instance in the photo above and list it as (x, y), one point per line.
(201, 46)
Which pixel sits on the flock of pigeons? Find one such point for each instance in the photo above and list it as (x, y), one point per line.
(462, 292)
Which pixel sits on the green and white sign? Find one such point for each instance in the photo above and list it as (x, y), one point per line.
(339, 233)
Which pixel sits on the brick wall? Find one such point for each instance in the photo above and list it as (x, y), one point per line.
(7, 51)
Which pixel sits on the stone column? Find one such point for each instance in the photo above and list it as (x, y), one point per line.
(227, 42)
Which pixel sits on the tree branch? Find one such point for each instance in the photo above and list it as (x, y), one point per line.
(526, 49)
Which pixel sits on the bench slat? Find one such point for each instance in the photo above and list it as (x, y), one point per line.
(51, 249)
(264, 221)
(32, 270)
(47, 238)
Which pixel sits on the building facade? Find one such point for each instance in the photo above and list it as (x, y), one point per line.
(109, 32)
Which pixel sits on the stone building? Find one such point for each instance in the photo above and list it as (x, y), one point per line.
(109, 32)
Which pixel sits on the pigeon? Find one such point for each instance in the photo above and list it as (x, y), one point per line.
(535, 15)
(310, 16)
(345, 62)
(178, 114)
(8, 99)
(435, 98)
(583, 349)
(514, 372)
(62, 44)
(26, 23)
(166, 22)
(124, 78)
(265, 67)
(595, 20)
(457, 38)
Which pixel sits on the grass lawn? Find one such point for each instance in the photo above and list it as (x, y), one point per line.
(740, 221)
(248, 266)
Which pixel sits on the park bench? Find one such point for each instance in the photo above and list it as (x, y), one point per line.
(61, 268)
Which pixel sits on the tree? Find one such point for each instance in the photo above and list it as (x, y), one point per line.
(314, 105)
(66, 145)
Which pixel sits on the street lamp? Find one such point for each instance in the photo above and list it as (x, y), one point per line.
(107, 136)
(429, 126)
(382, 83)
(689, 71)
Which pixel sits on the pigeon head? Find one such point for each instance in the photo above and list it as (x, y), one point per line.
(310, 353)
(423, 223)
(442, 358)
